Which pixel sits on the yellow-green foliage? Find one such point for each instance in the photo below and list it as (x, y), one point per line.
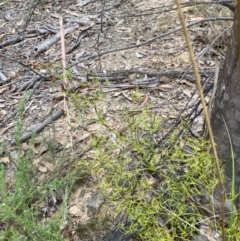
(153, 185)
(165, 208)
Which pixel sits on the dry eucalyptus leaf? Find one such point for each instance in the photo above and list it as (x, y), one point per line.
(24, 146)
(4, 160)
(184, 58)
(187, 92)
(49, 166)
(165, 79)
(42, 169)
(3, 112)
(83, 136)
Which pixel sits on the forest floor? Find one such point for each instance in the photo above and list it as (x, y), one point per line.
(127, 65)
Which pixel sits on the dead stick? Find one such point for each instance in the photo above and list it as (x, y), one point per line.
(41, 126)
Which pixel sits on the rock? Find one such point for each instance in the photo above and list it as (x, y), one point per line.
(207, 234)
(118, 235)
(95, 202)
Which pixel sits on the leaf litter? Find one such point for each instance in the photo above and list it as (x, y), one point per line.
(130, 78)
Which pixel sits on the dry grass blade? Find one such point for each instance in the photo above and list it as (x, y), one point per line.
(206, 115)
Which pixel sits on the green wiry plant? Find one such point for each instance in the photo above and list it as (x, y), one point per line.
(159, 208)
(156, 187)
(19, 217)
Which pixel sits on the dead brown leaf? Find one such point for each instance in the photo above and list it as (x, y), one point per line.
(4, 160)
(43, 169)
(183, 81)
(24, 146)
(5, 129)
(48, 165)
(144, 101)
(165, 79)
(165, 87)
(187, 92)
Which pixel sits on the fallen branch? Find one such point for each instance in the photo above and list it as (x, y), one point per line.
(12, 41)
(49, 42)
(121, 74)
(41, 126)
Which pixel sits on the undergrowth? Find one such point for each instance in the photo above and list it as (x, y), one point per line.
(24, 211)
(155, 186)
(155, 183)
